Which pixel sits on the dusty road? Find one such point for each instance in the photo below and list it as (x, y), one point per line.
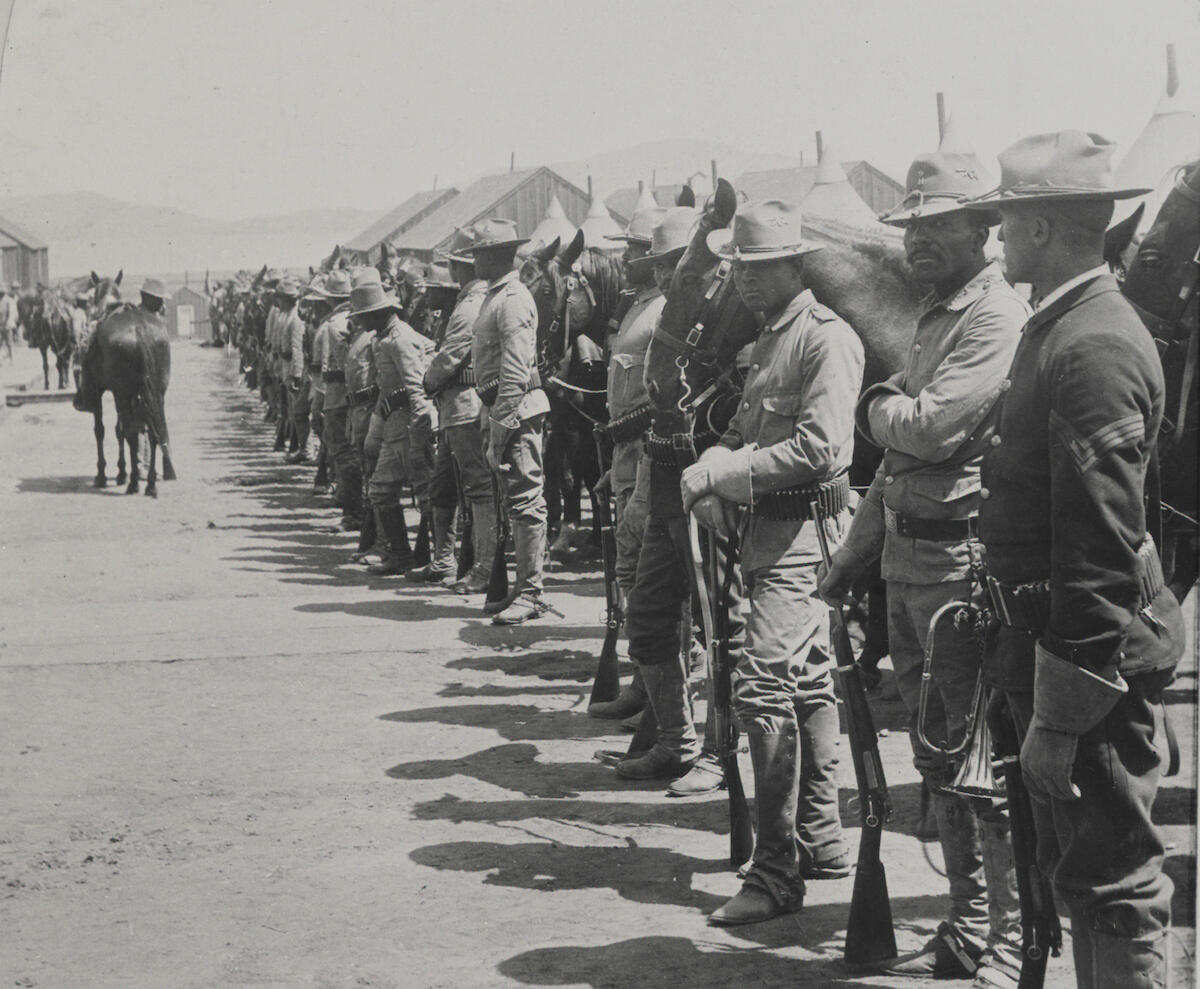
(228, 758)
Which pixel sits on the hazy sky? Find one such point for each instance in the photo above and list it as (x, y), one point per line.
(234, 108)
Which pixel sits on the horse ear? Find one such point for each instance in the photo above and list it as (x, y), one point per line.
(546, 254)
(572, 253)
(120, 275)
(686, 197)
(95, 279)
(1119, 237)
(724, 204)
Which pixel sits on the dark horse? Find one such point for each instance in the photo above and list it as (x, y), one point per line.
(129, 354)
(576, 293)
(52, 329)
(1162, 283)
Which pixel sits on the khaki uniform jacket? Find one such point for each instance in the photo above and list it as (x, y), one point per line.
(333, 354)
(400, 361)
(360, 361)
(291, 342)
(934, 419)
(457, 405)
(626, 385)
(505, 343)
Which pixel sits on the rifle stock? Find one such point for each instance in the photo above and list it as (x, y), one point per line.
(870, 934)
(497, 589)
(713, 595)
(1041, 931)
(607, 684)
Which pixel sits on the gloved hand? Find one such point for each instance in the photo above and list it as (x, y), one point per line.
(498, 440)
(694, 485)
(604, 485)
(1047, 759)
(834, 582)
(715, 513)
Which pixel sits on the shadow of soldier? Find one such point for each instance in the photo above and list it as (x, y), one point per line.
(516, 722)
(565, 664)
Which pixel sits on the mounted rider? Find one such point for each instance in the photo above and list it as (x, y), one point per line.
(788, 446)
(934, 419)
(1088, 635)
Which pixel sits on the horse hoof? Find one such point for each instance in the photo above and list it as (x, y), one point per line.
(101, 481)
(122, 477)
(151, 491)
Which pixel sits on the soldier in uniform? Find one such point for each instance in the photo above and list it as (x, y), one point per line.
(628, 419)
(934, 419)
(289, 328)
(460, 458)
(789, 443)
(334, 340)
(404, 418)
(8, 320)
(362, 395)
(154, 296)
(319, 307)
(1088, 635)
(504, 355)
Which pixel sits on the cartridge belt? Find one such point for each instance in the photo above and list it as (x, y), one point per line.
(329, 377)
(465, 375)
(393, 402)
(796, 504)
(489, 389)
(677, 451)
(314, 368)
(629, 426)
(932, 530)
(363, 395)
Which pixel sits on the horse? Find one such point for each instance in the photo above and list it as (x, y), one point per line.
(129, 354)
(53, 329)
(576, 292)
(1162, 284)
(106, 295)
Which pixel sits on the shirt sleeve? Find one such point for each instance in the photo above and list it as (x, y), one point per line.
(517, 320)
(456, 347)
(1100, 425)
(867, 532)
(296, 343)
(936, 421)
(830, 372)
(412, 371)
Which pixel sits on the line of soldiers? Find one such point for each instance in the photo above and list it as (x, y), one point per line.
(1017, 445)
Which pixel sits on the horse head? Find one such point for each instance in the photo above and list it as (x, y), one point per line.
(1165, 262)
(106, 295)
(703, 325)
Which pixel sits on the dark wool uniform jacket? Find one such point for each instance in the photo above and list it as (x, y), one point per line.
(1063, 497)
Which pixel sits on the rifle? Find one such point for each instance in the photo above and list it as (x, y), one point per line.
(1041, 932)
(870, 937)
(421, 548)
(714, 609)
(607, 684)
(466, 555)
(497, 589)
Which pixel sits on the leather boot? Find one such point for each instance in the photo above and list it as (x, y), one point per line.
(368, 537)
(676, 746)
(1000, 966)
(529, 548)
(398, 556)
(630, 701)
(483, 539)
(350, 486)
(773, 886)
(823, 850)
(706, 775)
(564, 542)
(441, 564)
(1129, 963)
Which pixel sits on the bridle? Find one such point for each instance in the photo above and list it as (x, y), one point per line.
(574, 280)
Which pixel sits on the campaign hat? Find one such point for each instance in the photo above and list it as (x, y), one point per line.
(154, 287)
(765, 231)
(672, 234)
(337, 285)
(939, 182)
(369, 296)
(641, 226)
(1060, 166)
(494, 233)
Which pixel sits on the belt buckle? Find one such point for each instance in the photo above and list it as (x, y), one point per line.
(681, 441)
(889, 520)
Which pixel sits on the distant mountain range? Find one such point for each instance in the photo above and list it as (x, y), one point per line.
(87, 230)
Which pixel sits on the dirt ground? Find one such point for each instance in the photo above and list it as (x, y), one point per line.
(229, 758)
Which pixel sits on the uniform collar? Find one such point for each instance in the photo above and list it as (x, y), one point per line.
(793, 309)
(970, 293)
(647, 294)
(502, 280)
(473, 286)
(1052, 296)
(1077, 291)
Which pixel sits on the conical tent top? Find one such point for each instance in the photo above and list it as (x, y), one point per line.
(599, 226)
(832, 196)
(954, 141)
(646, 199)
(554, 224)
(828, 169)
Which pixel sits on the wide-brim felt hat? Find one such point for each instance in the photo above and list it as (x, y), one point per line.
(641, 226)
(766, 231)
(671, 235)
(939, 182)
(1057, 167)
(288, 286)
(337, 285)
(370, 297)
(154, 287)
(491, 234)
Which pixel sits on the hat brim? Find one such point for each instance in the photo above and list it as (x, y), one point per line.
(674, 254)
(720, 242)
(387, 302)
(458, 256)
(1007, 197)
(627, 238)
(476, 248)
(901, 216)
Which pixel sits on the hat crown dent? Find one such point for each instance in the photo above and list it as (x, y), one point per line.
(674, 231)
(766, 231)
(1067, 159)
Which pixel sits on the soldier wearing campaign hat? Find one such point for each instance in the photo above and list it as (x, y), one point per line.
(290, 331)
(504, 355)
(335, 433)
(934, 419)
(787, 447)
(1088, 635)
(154, 295)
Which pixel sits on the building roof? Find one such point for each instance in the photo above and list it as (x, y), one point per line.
(399, 219)
(623, 202)
(7, 242)
(789, 184)
(475, 202)
(20, 235)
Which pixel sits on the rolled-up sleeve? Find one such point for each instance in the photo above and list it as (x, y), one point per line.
(935, 422)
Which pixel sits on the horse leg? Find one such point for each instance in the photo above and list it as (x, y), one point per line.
(45, 367)
(151, 470)
(122, 477)
(129, 426)
(98, 430)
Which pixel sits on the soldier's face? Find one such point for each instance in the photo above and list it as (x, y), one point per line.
(1019, 230)
(767, 286)
(943, 247)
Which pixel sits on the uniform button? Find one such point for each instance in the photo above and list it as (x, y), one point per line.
(984, 493)
(916, 348)
(745, 405)
(889, 479)
(995, 441)
(1005, 385)
(753, 367)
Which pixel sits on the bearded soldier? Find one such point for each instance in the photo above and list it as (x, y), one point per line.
(460, 456)
(1088, 636)
(504, 354)
(934, 419)
(788, 447)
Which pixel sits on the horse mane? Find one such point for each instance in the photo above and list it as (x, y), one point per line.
(607, 277)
